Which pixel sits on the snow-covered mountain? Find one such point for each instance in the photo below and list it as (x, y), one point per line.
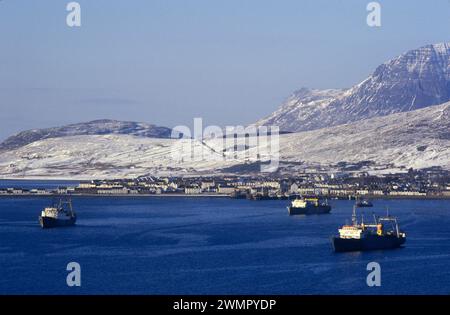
(302, 106)
(391, 120)
(418, 139)
(96, 127)
(413, 80)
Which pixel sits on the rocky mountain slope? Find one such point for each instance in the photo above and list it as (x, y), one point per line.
(413, 80)
(388, 121)
(418, 139)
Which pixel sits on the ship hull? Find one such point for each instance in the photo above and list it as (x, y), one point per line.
(374, 242)
(47, 222)
(309, 210)
(364, 205)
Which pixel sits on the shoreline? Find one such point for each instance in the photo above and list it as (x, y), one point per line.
(119, 195)
(211, 196)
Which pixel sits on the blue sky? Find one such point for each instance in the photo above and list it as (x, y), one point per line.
(168, 61)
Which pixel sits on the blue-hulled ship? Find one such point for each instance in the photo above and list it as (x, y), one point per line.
(363, 203)
(59, 214)
(308, 206)
(384, 233)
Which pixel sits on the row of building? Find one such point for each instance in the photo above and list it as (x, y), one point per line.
(413, 183)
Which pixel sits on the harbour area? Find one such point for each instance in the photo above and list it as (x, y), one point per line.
(413, 184)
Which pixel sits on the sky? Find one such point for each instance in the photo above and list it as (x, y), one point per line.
(165, 62)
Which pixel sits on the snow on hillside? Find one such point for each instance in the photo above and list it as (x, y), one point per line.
(302, 106)
(413, 80)
(96, 127)
(416, 139)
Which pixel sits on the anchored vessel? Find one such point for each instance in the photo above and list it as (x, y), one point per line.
(59, 214)
(308, 206)
(383, 234)
(363, 203)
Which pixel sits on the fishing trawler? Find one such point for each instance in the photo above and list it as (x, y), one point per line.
(363, 203)
(59, 214)
(384, 233)
(308, 206)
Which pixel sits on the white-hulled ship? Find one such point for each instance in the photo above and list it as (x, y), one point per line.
(59, 214)
(308, 206)
(383, 234)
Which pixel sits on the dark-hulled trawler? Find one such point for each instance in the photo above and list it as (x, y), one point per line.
(383, 234)
(59, 214)
(363, 203)
(307, 206)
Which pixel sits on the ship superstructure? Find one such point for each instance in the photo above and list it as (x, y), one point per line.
(307, 206)
(59, 214)
(384, 233)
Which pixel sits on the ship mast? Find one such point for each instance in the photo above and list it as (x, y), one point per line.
(66, 201)
(354, 220)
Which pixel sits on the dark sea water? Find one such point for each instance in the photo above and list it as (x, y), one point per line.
(215, 246)
(42, 184)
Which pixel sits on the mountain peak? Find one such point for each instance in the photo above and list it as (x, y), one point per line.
(440, 47)
(415, 79)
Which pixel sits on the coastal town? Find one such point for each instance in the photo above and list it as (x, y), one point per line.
(425, 183)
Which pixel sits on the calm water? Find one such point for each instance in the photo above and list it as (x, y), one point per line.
(215, 246)
(30, 184)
